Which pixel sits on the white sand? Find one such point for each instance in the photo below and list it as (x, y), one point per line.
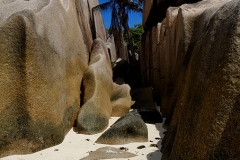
(76, 146)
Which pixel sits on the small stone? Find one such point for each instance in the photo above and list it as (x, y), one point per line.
(157, 138)
(56, 150)
(141, 147)
(150, 141)
(153, 145)
(87, 139)
(123, 148)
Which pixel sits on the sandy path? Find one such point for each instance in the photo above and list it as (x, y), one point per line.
(76, 146)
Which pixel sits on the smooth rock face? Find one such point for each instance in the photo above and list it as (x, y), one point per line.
(111, 48)
(121, 100)
(42, 61)
(146, 10)
(99, 26)
(199, 66)
(85, 20)
(90, 22)
(97, 90)
(127, 129)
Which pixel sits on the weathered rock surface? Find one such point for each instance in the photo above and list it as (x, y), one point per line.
(199, 48)
(121, 100)
(108, 153)
(119, 81)
(127, 129)
(90, 22)
(97, 90)
(155, 11)
(42, 61)
(85, 20)
(98, 21)
(111, 48)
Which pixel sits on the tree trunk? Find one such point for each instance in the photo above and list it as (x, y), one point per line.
(127, 30)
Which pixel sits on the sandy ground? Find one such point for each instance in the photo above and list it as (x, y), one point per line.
(76, 146)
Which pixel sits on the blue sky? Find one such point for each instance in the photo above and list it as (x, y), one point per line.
(134, 18)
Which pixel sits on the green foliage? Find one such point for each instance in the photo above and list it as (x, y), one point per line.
(136, 33)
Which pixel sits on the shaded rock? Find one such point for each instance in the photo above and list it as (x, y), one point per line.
(141, 147)
(85, 20)
(127, 129)
(199, 52)
(120, 69)
(155, 11)
(143, 98)
(108, 153)
(131, 75)
(150, 116)
(90, 21)
(153, 145)
(119, 81)
(42, 61)
(111, 48)
(123, 148)
(97, 89)
(121, 100)
(100, 31)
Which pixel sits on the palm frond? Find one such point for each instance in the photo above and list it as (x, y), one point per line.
(138, 1)
(104, 6)
(133, 7)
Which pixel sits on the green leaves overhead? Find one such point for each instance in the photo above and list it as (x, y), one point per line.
(120, 10)
(136, 33)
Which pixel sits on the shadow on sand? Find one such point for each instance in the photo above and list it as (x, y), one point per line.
(157, 155)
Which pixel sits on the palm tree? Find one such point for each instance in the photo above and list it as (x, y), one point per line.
(120, 10)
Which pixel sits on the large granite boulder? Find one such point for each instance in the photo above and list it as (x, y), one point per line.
(121, 100)
(200, 51)
(111, 48)
(90, 21)
(97, 90)
(100, 31)
(155, 10)
(42, 61)
(85, 20)
(127, 129)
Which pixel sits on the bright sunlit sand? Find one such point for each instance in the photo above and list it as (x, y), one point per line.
(77, 146)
